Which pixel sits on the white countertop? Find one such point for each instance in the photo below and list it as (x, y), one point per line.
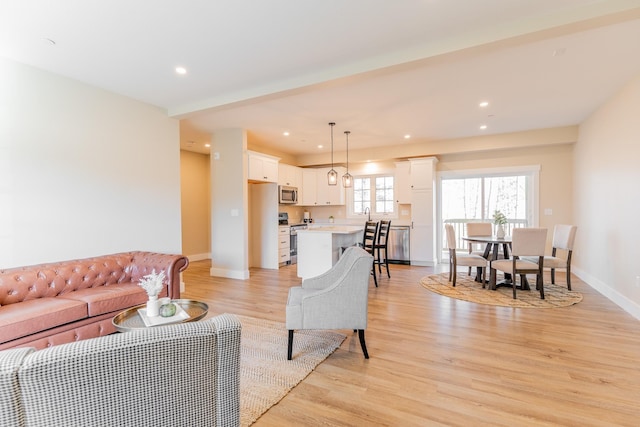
(334, 229)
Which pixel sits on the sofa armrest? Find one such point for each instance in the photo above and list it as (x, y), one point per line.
(11, 408)
(144, 263)
(184, 374)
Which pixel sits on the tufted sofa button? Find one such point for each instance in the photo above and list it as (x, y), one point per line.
(32, 288)
(75, 337)
(49, 344)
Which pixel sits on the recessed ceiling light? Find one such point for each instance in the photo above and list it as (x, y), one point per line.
(181, 70)
(407, 136)
(207, 145)
(483, 127)
(319, 147)
(484, 104)
(285, 133)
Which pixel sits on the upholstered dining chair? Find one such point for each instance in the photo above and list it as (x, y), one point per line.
(369, 239)
(381, 258)
(469, 260)
(336, 299)
(563, 238)
(526, 242)
(475, 229)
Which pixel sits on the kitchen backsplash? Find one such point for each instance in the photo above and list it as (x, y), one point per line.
(321, 214)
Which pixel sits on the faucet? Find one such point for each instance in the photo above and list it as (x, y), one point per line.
(368, 211)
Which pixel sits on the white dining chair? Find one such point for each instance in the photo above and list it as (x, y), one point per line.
(563, 239)
(526, 242)
(464, 259)
(475, 229)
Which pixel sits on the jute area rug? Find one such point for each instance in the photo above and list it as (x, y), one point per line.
(266, 376)
(468, 289)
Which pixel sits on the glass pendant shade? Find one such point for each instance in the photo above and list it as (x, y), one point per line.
(347, 179)
(332, 175)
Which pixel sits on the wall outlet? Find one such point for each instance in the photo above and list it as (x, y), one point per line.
(548, 211)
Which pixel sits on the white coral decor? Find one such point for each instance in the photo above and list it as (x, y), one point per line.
(152, 283)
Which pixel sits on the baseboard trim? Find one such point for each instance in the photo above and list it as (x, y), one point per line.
(229, 274)
(199, 257)
(614, 296)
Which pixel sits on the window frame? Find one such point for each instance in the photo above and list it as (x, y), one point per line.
(533, 196)
(372, 176)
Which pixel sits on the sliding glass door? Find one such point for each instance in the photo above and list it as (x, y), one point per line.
(474, 196)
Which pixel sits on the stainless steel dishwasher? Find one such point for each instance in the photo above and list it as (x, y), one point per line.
(398, 245)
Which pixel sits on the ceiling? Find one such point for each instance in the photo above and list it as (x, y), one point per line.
(378, 68)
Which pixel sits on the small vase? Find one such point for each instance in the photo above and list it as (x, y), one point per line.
(152, 306)
(500, 231)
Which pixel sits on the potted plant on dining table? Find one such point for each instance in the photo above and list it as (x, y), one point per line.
(499, 220)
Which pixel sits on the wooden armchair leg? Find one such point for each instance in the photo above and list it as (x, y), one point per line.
(362, 343)
(290, 344)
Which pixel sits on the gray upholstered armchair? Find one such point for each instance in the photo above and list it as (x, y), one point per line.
(336, 299)
(178, 375)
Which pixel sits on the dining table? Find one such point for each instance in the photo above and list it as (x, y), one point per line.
(493, 244)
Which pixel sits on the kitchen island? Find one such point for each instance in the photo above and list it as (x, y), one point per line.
(319, 248)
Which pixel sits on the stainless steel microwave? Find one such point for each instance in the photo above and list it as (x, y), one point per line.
(287, 195)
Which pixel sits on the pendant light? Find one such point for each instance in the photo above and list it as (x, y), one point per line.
(347, 179)
(332, 175)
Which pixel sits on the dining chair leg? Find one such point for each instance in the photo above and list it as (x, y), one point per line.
(362, 343)
(455, 274)
(513, 284)
(553, 276)
(568, 277)
(386, 263)
(540, 285)
(492, 279)
(375, 279)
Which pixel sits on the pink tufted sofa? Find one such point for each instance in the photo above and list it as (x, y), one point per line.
(48, 304)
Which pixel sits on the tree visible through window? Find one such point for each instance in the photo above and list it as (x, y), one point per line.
(478, 197)
(375, 193)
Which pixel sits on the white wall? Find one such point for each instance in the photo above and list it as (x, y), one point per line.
(196, 205)
(607, 199)
(83, 172)
(229, 205)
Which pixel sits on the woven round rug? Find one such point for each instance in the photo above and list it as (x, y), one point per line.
(468, 289)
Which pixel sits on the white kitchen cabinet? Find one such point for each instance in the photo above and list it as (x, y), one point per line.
(422, 242)
(403, 182)
(317, 192)
(423, 232)
(289, 175)
(284, 244)
(262, 167)
(422, 173)
(309, 189)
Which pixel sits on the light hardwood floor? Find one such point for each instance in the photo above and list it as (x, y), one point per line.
(439, 361)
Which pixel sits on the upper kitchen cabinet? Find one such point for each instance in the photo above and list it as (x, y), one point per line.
(403, 182)
(290, 176)
(422, 173)
(317, 192)
(262, 167)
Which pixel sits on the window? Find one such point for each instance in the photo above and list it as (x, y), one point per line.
(471, 196)
(375, 193)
